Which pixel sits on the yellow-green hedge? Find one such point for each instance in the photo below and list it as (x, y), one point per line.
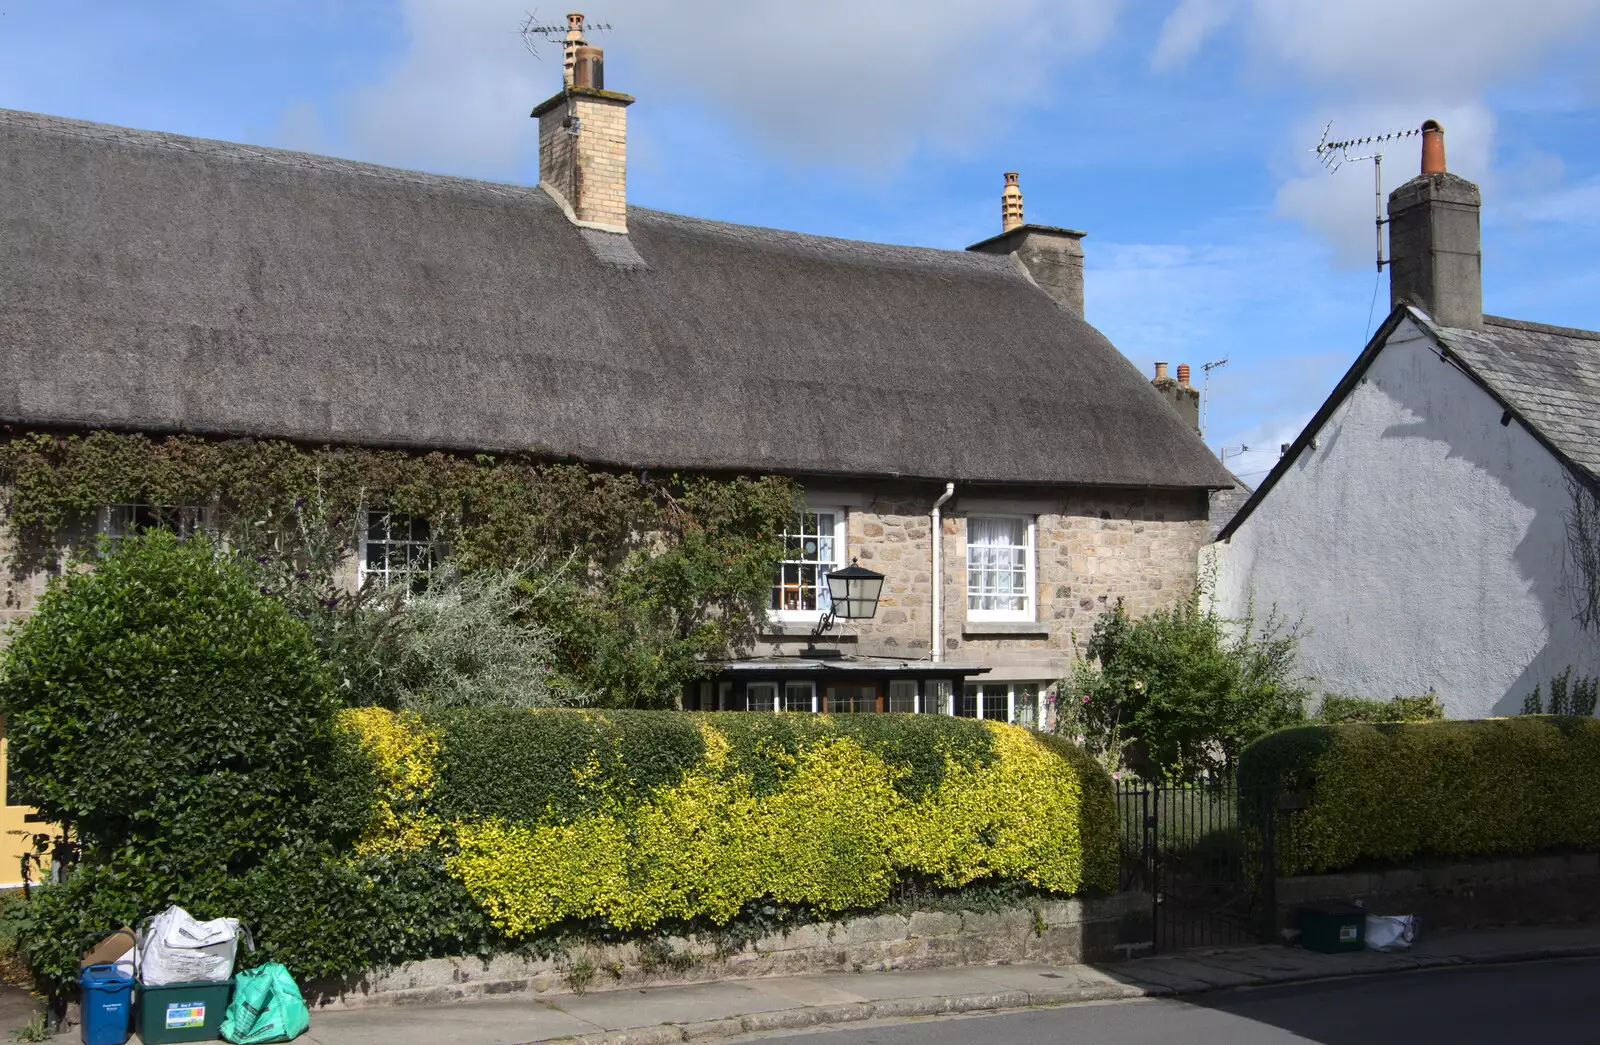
(640, 817)
(1386, 793)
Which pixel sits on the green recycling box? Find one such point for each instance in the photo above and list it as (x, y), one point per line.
(1333, 928)
(183, 1011)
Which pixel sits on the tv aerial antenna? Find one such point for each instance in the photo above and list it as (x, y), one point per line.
(1334, 155)
(1205, 390)
(535, 32)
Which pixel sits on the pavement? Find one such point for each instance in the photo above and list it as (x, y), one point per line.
(833, 1003)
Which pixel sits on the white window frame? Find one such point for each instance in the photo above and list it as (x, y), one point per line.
(1011, 698)
(916, 695)
(191, 518)
(1031, 560)
(824, 705)
(763, 684)
(806, 685)
(839, 561)
(440, 551)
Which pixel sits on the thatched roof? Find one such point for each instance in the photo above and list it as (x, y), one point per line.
(157, 282)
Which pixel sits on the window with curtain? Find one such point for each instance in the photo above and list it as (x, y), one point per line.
(811, 549)
(999, 568)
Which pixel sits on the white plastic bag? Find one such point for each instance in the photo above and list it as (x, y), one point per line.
(1391, 932)
(175, 948)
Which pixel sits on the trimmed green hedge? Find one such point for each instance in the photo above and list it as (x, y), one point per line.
(1336, 710)
(1390, 792)
(637, 818)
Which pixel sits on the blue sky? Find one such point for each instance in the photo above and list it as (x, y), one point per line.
(1174, 131)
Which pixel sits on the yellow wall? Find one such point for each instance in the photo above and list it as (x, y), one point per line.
(16, 833)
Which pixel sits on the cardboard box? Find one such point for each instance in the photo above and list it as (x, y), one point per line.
(115, 947)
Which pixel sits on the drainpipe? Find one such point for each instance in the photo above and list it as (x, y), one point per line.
(938, 572)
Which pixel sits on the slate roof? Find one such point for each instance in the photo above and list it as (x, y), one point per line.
(1543, 375)
(1225, 503)
(1549, 375)
(157, 282)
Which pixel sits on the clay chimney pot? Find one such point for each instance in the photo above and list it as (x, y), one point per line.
(1161, 372)
(1011, 203)
(588, 67)
(1183, 374)
(1432, 147)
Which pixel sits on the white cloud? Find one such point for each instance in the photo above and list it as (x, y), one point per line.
(1186, 29)
(1569, 205)
(1437, 48)
(1442, 48)
(862, 83)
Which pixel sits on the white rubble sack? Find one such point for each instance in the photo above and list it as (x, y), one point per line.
(175, 948)
(1391, 932)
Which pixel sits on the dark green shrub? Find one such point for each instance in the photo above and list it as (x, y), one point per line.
(1336, 709)
(167, 712)
(1389, 793)
(317, 912)
(1568, 696)
(1178, 693)
(506, 763)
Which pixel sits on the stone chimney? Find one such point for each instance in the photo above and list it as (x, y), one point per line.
(1436, 257)
(1052, 256)
(1184, 397)
(583, 139)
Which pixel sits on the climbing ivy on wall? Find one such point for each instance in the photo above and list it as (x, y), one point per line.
(642, 580)
(1581, 573)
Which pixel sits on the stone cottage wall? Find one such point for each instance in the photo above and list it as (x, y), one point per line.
(1093, 546)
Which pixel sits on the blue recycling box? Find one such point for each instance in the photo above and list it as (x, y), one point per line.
(107, 1004)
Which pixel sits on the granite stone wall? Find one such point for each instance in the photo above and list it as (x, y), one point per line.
(1059, 932)
(1461, 894)
(1093, 546)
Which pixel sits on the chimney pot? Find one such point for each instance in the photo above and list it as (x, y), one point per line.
(569, 50)
(1010, 203)
(589, 68)
(1183, 398)
(1432, 147)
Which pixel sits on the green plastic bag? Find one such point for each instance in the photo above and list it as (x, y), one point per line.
(266, 1007)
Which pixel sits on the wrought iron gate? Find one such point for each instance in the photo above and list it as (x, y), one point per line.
(1204, 852)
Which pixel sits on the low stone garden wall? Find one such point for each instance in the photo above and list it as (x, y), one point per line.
(1465, 894)
(1057, 932)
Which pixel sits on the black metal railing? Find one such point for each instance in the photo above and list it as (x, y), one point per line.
(1206, 854)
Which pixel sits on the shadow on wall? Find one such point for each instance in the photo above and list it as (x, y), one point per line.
(1539, 558)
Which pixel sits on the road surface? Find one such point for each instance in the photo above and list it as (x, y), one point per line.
(1479, 1005)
